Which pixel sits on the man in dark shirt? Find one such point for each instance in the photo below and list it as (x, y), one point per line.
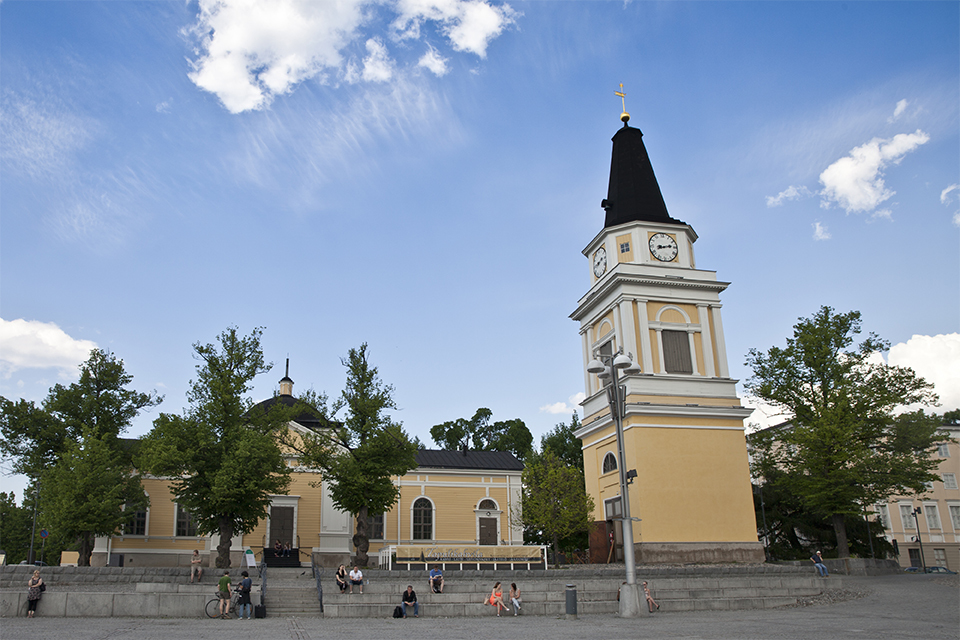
(410, 599)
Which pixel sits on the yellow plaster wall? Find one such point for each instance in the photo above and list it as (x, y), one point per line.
(628, 256)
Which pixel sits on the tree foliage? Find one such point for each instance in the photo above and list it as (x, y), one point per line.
(15, 523)
(844, 448)
(480, 433)
(360, 455)
(554, 499)
(222, 455)
(72, 446)
(563, 444)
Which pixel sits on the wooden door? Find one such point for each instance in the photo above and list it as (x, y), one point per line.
(488, 531)
(281, 525)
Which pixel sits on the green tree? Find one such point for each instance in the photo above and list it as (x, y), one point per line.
(359, 455)
(480, 433)
(91, 491)
(223, 456)
(563, 444)
(554, 500)
(73, 441)
(844, 448)
(15, 523)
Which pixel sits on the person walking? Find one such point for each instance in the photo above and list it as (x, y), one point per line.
(223, 587)
(409, 599)
(496, 598)
(818, 563)
(246, 585)
(651, 603)
(515, 597)
(35, 589)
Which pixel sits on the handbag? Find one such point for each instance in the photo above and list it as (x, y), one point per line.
(43, 587)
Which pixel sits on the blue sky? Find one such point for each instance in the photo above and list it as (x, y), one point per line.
(422, 176)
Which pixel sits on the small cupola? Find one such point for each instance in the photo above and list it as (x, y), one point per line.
(286, 383)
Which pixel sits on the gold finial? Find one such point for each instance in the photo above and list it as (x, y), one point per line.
(624, 117)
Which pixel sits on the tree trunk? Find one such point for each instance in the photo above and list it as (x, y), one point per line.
(86, 541)
(840, 528)
(556, 549)
(223, 549)
(360, 540)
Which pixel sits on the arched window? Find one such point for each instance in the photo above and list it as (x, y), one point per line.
(488, 505)
(609, 463)
(422, 519)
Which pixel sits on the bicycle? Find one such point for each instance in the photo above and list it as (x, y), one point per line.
(212, 608)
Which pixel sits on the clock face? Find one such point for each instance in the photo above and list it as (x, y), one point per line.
(663, 247)
(600, 262)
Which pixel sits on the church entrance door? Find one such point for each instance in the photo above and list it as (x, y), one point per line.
(488, 531)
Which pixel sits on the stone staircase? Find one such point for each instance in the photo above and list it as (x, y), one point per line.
(292, 592)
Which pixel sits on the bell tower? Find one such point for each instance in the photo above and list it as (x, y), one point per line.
(683, 430)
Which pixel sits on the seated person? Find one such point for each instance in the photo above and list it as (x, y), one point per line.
(436, 579)
(277, 549)
(409, 599)
(342, 578)
(356, 578)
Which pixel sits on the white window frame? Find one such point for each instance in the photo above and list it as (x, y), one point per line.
(943, 450)
(932, 515)
(940, 558)
(176, 520)
(949, 481)
(954, 510)
(603, 463)
(906, 517)
(433, 520)
(883, 515)
(687, 326)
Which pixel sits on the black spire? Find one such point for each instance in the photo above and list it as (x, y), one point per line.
(633, 194)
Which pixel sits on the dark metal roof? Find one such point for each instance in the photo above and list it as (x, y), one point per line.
(633, 193)
(308, 418)
(445, 459)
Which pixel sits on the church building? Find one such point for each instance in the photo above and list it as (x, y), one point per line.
(683, 431)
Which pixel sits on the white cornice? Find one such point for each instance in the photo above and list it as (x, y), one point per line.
(671, 411)
(624, 275)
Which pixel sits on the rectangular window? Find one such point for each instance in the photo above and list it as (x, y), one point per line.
(933, 517)
(624, 247)
(940, 557)
(883, 515)
(676, 352)
(906, 515)
(186, 527)
(955, 516)
(943, 450)
(137, 526)
(375, 526)
(949, 481)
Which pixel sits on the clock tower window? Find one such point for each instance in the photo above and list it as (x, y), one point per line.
(676, 352)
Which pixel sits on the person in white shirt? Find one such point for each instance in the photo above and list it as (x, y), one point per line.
(356, 578)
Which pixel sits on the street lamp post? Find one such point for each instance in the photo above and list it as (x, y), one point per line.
(916, 518)
(607, 368)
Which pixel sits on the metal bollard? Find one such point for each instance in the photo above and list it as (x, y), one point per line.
(571, 602)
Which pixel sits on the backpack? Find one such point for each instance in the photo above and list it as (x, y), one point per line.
(398, 611)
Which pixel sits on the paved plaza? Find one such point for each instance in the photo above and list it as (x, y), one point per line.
(896, 607)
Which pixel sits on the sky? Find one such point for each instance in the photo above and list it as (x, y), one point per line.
(423, 176)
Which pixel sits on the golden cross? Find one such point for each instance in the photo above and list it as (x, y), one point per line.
(622, 97)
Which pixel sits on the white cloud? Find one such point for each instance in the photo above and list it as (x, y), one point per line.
(820, 232)
(945, 197)
(470, 25)
(433, 61)
(30, 344)
(935, 359)
(956, 219)
(856, 181)
(568, 407)
(163, 107)
(790, 193)
(881, 214)
(898, 111)
(377, 66)
(251, 51)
